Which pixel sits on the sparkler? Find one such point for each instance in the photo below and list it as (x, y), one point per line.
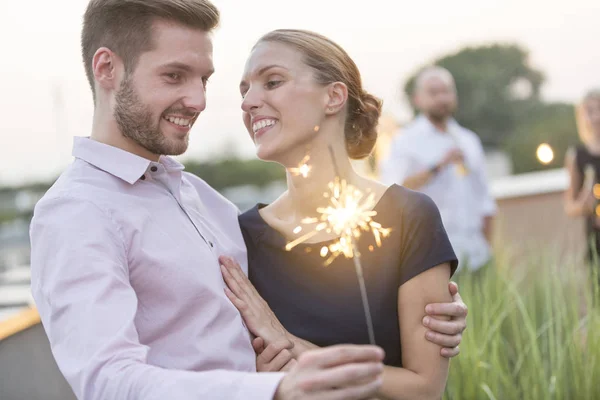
(348, 214)
(461, 167)
(303, 168)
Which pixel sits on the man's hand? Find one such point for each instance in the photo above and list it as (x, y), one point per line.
(453, 156)
(447, 334)
(344, 372)
(276, 357)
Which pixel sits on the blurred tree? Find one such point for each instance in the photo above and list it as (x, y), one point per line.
(228, 172)
(494, 83)
(553, 124)
(7, 216)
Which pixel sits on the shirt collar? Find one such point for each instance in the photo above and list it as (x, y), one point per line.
(425, 122)
(118, 162)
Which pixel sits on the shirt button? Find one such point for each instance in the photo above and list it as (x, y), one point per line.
(153, 169)
(143, 177)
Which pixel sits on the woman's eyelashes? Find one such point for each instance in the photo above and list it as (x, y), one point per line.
(272, 84)
(269, 85)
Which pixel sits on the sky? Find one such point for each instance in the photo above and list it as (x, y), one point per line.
(45, 99)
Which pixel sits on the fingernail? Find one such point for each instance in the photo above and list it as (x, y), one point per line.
(428, 309)
(429, 335)
(426, 321)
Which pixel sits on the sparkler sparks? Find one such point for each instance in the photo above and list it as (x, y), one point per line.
(348, 215)
(303, 168)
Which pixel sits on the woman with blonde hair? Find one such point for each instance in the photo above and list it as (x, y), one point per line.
(303, 95)
(583, 164)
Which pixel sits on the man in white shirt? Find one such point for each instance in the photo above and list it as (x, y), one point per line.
(437, 156)
(126, 246)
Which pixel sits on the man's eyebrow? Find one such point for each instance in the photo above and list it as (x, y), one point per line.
(183, 67)
(177, 65)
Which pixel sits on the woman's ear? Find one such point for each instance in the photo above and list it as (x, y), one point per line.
(337, 95)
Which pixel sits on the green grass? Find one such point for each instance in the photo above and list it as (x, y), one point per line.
(533, 333)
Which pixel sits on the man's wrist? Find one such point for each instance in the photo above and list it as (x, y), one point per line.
(435, 169)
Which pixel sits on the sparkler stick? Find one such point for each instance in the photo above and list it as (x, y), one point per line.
(461, 168)
(358, 269)
(363, 293)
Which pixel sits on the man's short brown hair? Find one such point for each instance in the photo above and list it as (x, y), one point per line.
(125, 26)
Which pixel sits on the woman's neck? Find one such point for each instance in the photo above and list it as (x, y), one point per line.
(305, 194)
(593, 145)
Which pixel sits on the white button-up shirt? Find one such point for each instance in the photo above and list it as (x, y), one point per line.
(126, 278)
(463, 200)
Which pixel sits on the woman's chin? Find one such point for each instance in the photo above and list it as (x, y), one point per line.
(265, 153)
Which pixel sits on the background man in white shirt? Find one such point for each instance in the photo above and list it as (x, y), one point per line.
(437, 156)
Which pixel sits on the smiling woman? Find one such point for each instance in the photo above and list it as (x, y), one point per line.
(286, 59)
(303, 99)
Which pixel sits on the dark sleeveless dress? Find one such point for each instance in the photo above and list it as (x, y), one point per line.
(584, 158)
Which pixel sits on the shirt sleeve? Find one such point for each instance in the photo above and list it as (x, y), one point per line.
(398, 165)
(80, 283)
(426, 243)
(489, 207)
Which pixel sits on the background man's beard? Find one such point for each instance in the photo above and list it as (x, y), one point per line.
(135, 122)
(439, 117)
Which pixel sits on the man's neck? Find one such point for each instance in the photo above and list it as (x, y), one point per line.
(106, 130)
(440, 125)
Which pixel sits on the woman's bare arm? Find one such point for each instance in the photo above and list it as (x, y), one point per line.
(577, 203)
(425, 371)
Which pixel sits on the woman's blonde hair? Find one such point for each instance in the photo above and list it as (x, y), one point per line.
(583, 125)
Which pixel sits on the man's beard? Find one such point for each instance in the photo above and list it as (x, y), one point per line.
(440, 115)
(135, 121)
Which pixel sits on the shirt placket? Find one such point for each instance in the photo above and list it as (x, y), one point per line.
(160, 176)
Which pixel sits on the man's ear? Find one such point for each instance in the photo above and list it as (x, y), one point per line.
(337, 95)
(416, 100)
(105, 66)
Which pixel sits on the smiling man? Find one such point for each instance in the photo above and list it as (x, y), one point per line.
(126, 246)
